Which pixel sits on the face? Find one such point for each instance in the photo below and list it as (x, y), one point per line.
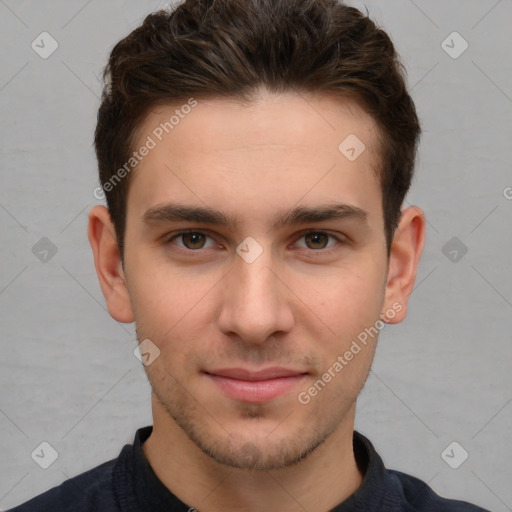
(255, 256)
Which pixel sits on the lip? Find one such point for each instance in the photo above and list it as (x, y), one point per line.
(257, 386)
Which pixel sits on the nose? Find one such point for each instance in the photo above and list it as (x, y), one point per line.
(256, 304)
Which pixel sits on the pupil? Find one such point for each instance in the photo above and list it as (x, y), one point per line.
(194, 240)
(317, 238)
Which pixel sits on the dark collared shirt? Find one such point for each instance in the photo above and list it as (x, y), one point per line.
(128, 484)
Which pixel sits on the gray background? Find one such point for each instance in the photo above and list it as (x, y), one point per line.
(69, 376)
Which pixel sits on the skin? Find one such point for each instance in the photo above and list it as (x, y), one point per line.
(299, 305)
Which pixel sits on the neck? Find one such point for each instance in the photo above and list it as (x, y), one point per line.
(322, 480)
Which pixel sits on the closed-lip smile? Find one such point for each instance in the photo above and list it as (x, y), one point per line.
(256, 386)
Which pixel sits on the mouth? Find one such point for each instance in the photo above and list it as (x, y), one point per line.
(258, 386)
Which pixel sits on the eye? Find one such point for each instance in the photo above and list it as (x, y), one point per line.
(192, 240)
(318, 240)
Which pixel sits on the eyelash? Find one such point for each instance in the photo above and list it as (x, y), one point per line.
(316, 252)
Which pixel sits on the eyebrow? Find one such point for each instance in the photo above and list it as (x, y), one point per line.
(204, 215)
(304, 215)
(175, 212)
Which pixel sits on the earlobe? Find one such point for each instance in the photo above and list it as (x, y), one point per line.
(406, 249)
(109, 267)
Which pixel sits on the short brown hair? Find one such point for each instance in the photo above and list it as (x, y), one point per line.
(229, 48)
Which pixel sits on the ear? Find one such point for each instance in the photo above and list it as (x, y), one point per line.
(107, 260)
(406, 249)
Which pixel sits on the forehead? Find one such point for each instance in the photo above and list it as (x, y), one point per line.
(280, 148)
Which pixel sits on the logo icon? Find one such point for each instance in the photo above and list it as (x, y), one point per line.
(251, 454)
(44, 249)
(351, 147)
(249, 250)
(454, 249)
(44, 45)
(44, 455)
(454, 455)
(146, 352)
(454, 45)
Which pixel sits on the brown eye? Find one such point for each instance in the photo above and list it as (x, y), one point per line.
(193, 240)
(316, 240)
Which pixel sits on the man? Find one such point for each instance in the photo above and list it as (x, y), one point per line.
(255, 156)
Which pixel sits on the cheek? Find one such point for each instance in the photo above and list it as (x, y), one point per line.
(353, 314)
(178, 316)
(362, 298)
(351, 310)
(174, 316)
(350, 297)
(164, 297)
